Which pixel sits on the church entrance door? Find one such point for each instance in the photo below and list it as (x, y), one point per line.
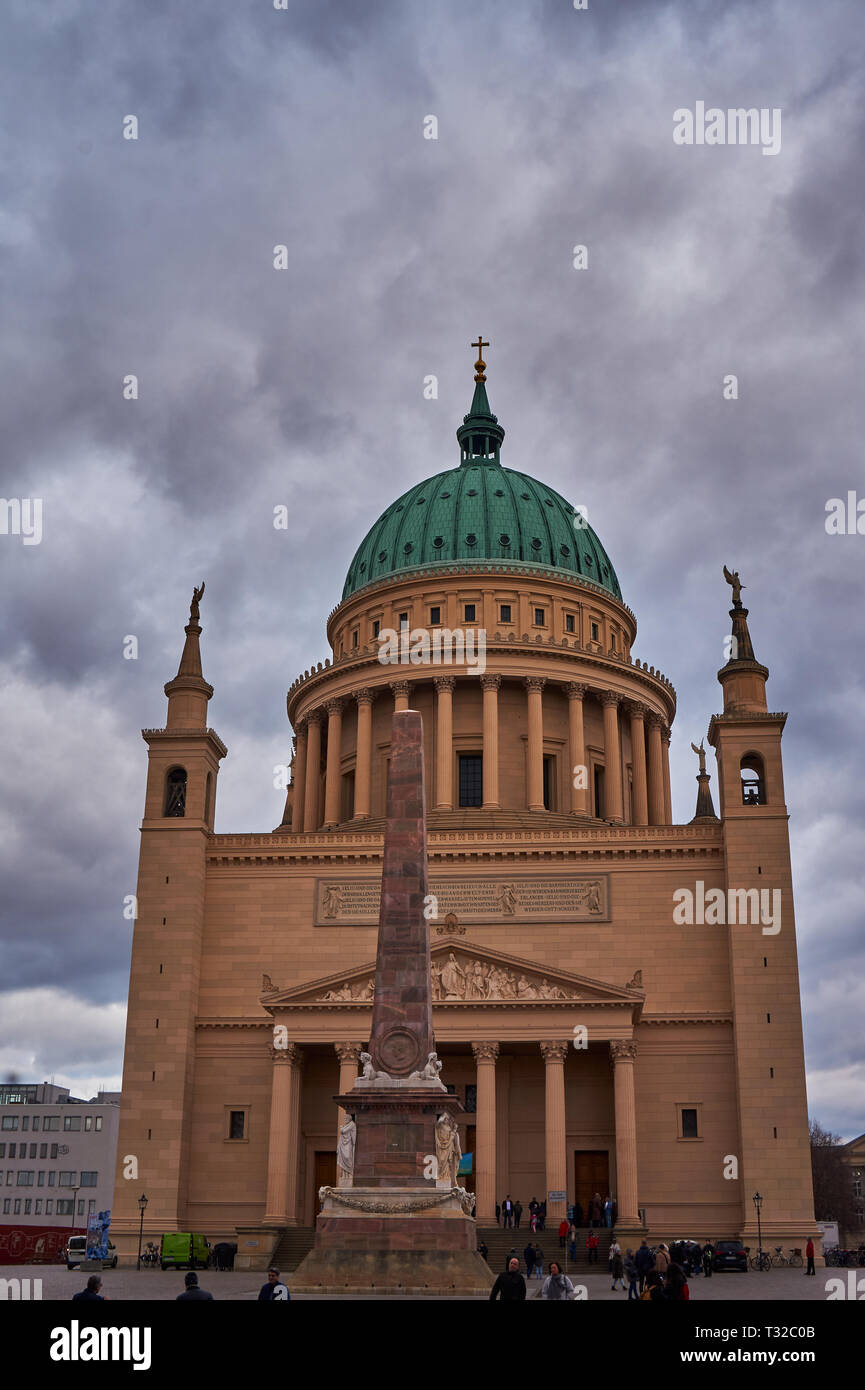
(591, 1175)
(325, 1172)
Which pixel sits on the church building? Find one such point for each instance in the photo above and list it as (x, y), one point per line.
(616, 995)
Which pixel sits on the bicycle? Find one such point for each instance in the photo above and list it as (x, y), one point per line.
(762, 1260)
(793, 1260)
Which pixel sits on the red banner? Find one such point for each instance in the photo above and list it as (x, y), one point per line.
(19, 1245)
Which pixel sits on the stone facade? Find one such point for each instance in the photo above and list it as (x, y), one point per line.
(596, 1042)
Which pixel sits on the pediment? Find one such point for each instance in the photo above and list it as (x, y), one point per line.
(466, 974)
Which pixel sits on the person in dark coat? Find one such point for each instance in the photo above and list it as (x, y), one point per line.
(542, 1215)
(529, 1257)
(274, 1291)
(644, 1260)
(193, 1293)
(507, 1213)
(93, 1293)
(512, 1255)
(707, 1256)
(578, 1215)
(510, 1287)
(518, 1211)
(498, 1212)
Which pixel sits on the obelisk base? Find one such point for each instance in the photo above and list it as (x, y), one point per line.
(383, 1241)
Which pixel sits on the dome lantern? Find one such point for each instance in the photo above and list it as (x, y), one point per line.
(480, 435)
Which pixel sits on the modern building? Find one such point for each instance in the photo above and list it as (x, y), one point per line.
(600, 1042)
(853, 1155)
(56, 1166)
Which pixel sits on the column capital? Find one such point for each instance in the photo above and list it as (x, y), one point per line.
(315, 716)
(485, 1051)
(665, 734)
(300, 727)
(576, 690)
(636, 709)
(335, 706)
(490, 682)
(444, 682)
(400, 688)
(365, 695)
(623, 1050)
(535, 682)
(655, 720)
(554, 1052)
(348, 1051)
(291, 1055)
(610, 697)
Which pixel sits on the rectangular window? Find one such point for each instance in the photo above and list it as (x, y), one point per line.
(91, 1206)
(28, 1206)
(2, 1150)
(98, 1124)
(25, 1177)
(548, 784)
(505, 613)
(376, 627)
(470, 612)
(88, 1178)
(237, 1124)
(13, 1150)
(71, 1122)
(81, 1206)
(599, 793)
(9, 1122)
(7, 1206)
(49, 1207)
(33, 1148)
(570, 625)
(355, 637)
(43, 1150)
(594, 632)
(53, 1150)
(16, 1210)
(689, 1124)
(88, 1121)
(52, 1178)
(25, 1122)
(540, 617)
(51, 1122)
(403, 620)
(35, 1123)
(64, 1208)
(67, 1178)
(471, 779)
(40, 1181)
(38, 1211)
(435, 616)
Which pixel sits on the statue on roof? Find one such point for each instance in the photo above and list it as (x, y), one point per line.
(197, 595)
(733, 579)
(701, 754)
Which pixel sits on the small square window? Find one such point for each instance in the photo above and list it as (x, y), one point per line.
(505, 613)
(570, 625)
(540, 617)
(435, 616)
(470, 612)
(237, 1124)
(689, 1124)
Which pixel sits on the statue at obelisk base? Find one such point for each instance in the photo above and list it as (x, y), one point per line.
(398, 1221)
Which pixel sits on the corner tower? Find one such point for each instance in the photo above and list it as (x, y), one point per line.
(159, 1057)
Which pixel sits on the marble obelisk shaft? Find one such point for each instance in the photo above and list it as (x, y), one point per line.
(402, 1031)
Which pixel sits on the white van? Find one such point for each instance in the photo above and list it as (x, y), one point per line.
(77, 1245)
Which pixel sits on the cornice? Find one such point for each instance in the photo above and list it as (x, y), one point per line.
(158, 735)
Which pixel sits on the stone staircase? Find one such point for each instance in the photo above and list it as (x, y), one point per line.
(296, 1242)
(500, 1241)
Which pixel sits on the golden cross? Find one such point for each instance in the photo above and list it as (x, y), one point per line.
(480, 364)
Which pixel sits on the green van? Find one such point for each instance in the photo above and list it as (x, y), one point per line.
(184, 1249)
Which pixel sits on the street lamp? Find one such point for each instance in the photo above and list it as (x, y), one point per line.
(758, 1202)
(75, 1192)
(142, 1205)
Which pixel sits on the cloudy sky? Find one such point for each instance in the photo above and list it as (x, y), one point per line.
(303, 386)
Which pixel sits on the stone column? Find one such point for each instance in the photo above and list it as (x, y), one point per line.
(622, 1055)
(283, 1148)
(349, 1062)
(490, 686)
(444, 742)
(656, 772)
(363, 760)
(299, 778)
(554, 1054)
(333, 776)
(313, 771)
(400, 694)
(485, 1056)
(535, 798)
(612, 758)
(638, 756)
(577, 748)
(668, 794)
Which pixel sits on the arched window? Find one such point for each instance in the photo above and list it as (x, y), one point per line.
(175, 792)
(753, 780)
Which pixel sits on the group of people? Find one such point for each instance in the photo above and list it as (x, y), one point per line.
(510, 1287)
(509, 1214)
(274, 1291)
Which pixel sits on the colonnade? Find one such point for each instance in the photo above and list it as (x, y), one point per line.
(284, 1205)
(650, 743)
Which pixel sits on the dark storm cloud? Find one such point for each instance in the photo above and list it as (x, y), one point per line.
(258, 388)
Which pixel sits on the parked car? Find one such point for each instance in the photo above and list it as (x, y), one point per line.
(186, 1248)
(75, 1253)
(730, 1254)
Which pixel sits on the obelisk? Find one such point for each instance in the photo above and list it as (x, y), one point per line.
(402, 1224)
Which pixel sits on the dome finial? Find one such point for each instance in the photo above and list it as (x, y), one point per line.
(480, 365)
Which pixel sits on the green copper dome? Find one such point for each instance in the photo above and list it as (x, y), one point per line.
(480, 515)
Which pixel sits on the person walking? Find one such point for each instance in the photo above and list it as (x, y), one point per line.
(529, 1257)
(563, 1233)
(539, 1262)
(533, 1222)
(618, 1269)
(592, 1243)
(632, 1274)
(542, 1215)
(193, 1293)
(93, 1293)
(654, 1290)
(598, 1214)
(274, 1291)
(662, 1260)
(578, 1215)
(572, 1242)
(557, 1285)
(809, 1255)
(518, 1212)
(608, 1211)
(644, 1260)
(707, 1258)
(676, 1284)
(507, 1213)
(510, 1287)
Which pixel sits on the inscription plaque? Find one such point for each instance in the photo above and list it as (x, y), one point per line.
(527, 898)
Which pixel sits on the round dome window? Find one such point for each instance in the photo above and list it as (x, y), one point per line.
(504, 540)
(471, 538)
(536, 543)
(438, 542)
